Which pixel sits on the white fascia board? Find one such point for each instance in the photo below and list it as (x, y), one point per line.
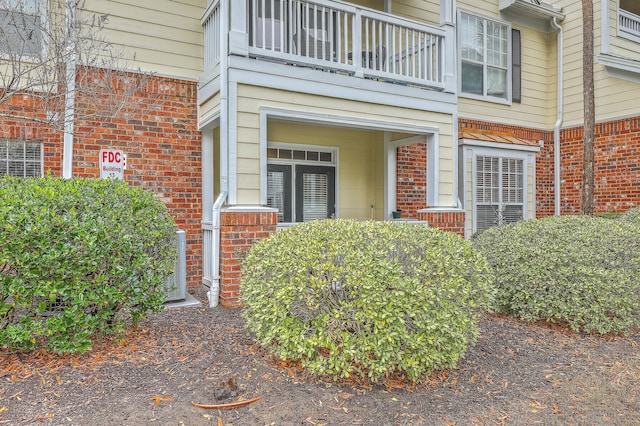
(622, 68)
(306, 80)
(342, 121)
(208, 85)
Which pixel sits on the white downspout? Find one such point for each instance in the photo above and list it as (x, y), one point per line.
(70, 95)
(224, 95)
(556, 127)
(214, 291)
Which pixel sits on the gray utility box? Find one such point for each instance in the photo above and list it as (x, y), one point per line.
(177, 282)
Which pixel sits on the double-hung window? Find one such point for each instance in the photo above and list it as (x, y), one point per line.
(22, 28)
(499, 191)
(21, 158)
(485, 58)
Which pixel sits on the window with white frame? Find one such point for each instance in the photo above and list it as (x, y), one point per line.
(22, 28)
(21, 158)
(499, 191)
(301, 182)
(485, 70)
(629, 19)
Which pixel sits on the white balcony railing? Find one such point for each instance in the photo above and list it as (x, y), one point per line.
(629, 24)
(339, 37)
(211, 25)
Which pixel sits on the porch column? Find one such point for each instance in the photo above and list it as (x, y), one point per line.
(240, 229)
(207, 175)
(449, 67)
(390, 175)
(238, 30)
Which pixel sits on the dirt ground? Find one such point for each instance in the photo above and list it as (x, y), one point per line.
(517, 374)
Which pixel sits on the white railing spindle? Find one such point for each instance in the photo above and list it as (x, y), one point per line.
(342, 37)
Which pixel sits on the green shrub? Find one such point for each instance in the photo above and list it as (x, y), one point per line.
(581, 270)
(79, 258)
(365, 298)
(632, 215)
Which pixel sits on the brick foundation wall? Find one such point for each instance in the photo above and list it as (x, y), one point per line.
(238, 232)
(161, 141)
(451, 221)
(411, 179)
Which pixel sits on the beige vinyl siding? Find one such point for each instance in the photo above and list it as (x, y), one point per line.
(359, 156)
(425, 11)
(251, 99)
(615, 98)
(539, 70)
(209, 108)
(159, 36)
(573, 110)
(481, 7)
(619, 46)
(371, 4)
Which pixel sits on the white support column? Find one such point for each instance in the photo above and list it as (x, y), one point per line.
(447, 12)
(239, 28)
(207, 175)
(450, 65)
(390, 175)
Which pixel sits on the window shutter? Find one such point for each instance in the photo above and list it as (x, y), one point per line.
(516, 66)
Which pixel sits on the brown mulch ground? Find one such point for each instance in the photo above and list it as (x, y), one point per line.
(517, 374)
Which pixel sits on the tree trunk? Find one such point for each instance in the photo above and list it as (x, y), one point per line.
(587, 193)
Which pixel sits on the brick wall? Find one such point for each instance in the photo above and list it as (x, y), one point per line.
(617, 167)
(160, 138)
(238, 232)
(452, 221)
(411, 179)
(12, 127)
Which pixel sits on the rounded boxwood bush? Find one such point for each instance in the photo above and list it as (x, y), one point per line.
(365, 298)
(581, 270)
(79, 258)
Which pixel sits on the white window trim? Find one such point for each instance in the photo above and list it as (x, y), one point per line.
(293, 162)
(487, 98)
(527, 155)
(24, 142)
(43, 9)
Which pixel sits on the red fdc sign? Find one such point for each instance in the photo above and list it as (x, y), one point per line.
(113, 162)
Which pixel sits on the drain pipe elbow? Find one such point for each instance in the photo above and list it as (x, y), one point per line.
(558, 124)
(214, 291)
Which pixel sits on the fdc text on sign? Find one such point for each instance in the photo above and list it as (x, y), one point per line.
(113, 162)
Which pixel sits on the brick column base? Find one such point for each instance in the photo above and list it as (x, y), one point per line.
(446, 220)
(239, 230)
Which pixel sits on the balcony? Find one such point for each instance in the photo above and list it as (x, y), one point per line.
(330, 36)
(629, 25)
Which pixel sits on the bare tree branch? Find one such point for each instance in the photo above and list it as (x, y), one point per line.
(37, 43)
